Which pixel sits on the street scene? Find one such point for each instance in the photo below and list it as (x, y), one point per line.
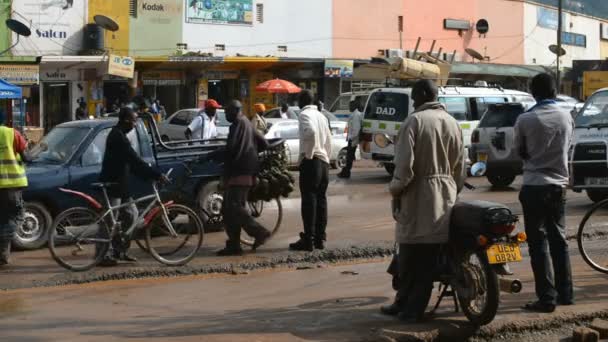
(320, 170)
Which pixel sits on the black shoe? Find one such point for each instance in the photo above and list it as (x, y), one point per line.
(391, 310)
(108, 262)
(304, 244)
(539, 307)
(319, 244)
(230, 251)
(260, 240)
(343, 175)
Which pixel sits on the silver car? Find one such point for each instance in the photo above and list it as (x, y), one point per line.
(174, 127)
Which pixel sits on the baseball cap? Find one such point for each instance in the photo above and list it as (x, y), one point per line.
(259, 107)
(211, 103)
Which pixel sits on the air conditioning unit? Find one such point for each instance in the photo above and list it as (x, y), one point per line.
(395, 53)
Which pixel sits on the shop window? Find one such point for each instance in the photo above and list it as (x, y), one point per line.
(259, 13)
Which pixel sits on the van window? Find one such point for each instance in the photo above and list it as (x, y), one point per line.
(457, 107)
(482, 104)
(499, 115)
(362, 99)
(341, 104)
(388, 106)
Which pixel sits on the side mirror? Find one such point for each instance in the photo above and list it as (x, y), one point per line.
(479, 169)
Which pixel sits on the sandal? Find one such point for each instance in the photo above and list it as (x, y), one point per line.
(539, 307)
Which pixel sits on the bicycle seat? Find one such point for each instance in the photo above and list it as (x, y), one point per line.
(102, 185)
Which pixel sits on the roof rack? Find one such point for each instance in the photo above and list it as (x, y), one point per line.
(362, 86)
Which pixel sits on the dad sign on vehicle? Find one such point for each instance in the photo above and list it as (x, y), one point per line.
(122, 66)
(386, 111)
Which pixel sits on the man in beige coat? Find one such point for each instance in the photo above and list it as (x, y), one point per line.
(429, 171)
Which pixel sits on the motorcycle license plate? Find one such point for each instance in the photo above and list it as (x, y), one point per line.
(482, 157)
(502, 253)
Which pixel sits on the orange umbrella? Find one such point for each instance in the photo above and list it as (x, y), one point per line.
(278, 86)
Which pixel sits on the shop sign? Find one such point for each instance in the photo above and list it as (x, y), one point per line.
(157, 24)
(56, 26)
(162, 75)
(574, 39)
(221, 75)
(235, 12)
(59, 75)
(123, 66)
(339, 68)
(20, 74)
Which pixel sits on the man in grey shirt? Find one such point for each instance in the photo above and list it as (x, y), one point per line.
(542, 137)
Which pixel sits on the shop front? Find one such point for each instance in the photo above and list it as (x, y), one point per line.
(26, 76)
(169, 87)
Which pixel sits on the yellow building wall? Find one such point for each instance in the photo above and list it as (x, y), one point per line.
(118, 10)
(604, 49)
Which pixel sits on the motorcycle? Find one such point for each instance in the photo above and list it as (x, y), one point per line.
(472, 266)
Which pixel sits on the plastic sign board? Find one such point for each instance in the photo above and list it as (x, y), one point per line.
(122, 66)
(594, 80)
(339, 68)
(236, 12)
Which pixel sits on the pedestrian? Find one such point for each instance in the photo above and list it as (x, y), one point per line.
(203, 125)
(81, 111)
(161, 110)
(429, 170)
(542, 138)
(354, 129)
(120, 161)
(315, 149)
(284, 110)
(257, 119)
(12, 181)
(240, 167)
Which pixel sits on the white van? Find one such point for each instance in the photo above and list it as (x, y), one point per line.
(340, 108)
(387, 108)
(589, 151)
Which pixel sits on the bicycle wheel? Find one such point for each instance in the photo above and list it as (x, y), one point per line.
(592, 237)
(78, 239)
(175, 250)
(268, 214)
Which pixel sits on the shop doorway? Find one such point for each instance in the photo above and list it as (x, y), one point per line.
(56, 104)
(224, 90)
(116, 93)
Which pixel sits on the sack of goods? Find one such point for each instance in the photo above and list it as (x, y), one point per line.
(274, 179)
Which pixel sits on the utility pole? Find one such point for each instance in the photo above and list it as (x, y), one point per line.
(560, 10)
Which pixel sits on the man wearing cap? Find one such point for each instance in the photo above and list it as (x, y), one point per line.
(257, 119)
(203, 125)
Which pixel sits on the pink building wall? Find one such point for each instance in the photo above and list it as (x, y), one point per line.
(361, 27)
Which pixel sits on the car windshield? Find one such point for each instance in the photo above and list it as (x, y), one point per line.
(59, 145)
(499, 115)
(387, 106)
(595, 112)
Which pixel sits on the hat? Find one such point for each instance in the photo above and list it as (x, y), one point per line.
(211, 103)
(259, 107)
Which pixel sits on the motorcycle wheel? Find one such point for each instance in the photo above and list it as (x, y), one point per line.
(478, 291)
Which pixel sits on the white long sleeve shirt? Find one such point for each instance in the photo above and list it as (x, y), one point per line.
(315, 135)
(354, 126)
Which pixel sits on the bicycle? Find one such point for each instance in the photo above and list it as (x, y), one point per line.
(592, 235)
(80, 237)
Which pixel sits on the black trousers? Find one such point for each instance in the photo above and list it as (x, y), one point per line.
(11, 213)
(544, 216)
(350, 157)
(416, 265)
(237, 216)
(314, 179)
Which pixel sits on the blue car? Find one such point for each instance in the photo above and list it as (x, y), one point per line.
(70, 157)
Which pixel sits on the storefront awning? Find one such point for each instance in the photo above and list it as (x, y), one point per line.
(74, 62)
(527, 71)
(9, 91)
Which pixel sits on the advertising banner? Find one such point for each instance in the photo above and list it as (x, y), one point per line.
(19, 73)
(56, 27)
(548, 18)
(156, 29)
(593, 81)
(122, 66)
(339, 68)
(236, 12)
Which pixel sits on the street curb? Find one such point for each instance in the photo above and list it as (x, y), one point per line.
(294, 259)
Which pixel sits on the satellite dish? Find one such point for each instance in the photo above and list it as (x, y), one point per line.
(473, 53)
(18, 27)
(105, 22)
(557, 51)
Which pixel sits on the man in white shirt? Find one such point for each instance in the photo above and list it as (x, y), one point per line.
(354, 128)
(315, 149)
(203, 125)
(283, 111)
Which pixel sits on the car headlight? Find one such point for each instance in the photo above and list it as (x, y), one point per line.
(382, 140)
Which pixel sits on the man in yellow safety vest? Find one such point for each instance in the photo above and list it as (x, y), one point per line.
(12, 180)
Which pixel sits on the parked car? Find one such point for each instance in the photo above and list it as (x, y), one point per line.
(70, 156)
(173, 127)
(288, 129)
(572, 105)
(493, 142)
(337, 126)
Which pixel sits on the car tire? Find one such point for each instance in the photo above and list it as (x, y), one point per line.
(597, 195)
(390, 168)
(340, 161)
(211, 198)
(500, 180)
(33, 232)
